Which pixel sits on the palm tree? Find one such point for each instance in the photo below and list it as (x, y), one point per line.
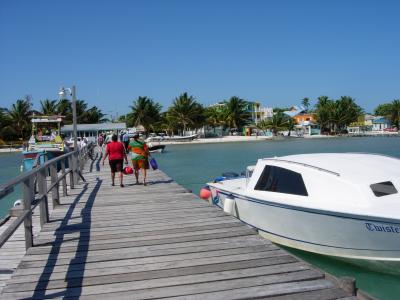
(344, 111)
(384, 109)
(236, 113)
(306, 103)
(7, 131)
(81, 108)
(122, 119)
(278, 122)
(323, 111)
(145, 112)
(4, 118)
(291, 123)
(64, 108)
(48, 107)
(214, 116)
(395, 113)
(94, 115)
(186, 111)
(20, 114)
(390, 111)
(168, 124)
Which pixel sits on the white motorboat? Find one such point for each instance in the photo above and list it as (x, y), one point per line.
(339, 204)
(186, 138)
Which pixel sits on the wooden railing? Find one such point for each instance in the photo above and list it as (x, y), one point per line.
(36, 180)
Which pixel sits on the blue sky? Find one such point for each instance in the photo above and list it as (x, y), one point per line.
(275, 52)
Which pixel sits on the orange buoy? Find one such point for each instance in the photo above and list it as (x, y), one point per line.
(205, 193)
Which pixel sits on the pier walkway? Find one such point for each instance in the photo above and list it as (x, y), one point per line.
(155, 241)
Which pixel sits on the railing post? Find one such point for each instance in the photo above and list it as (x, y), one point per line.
(42, 188)
(64, 180)
(71, 174)
(54, 177)
(76, 166)
(28, 195)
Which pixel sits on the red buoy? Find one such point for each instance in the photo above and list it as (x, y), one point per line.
(205, 193)
(127, 170)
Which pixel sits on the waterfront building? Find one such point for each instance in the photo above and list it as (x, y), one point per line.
(369, 123)
(305, 117)
(258, 112)
(306, 122)
(294, 111)
(362, 126)
(91, 131)
(380, 123)
(307, 128)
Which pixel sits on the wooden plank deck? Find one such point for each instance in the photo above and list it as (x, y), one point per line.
(155, 241)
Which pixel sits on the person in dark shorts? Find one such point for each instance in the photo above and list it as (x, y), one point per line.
(125, 140)
(116, 155)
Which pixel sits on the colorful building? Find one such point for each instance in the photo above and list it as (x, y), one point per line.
(380, 124)
(259, 112)
(305, 117)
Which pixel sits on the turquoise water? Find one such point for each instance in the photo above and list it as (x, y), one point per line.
(193, 165)
(10, 164)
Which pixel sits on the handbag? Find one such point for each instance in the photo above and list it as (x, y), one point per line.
(153, 163)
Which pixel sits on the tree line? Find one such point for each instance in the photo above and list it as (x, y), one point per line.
(185, 112)
(333, 115)
(15, 122)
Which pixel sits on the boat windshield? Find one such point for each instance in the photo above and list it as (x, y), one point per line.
(281, 180)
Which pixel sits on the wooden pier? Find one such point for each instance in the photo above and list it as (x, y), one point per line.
(151, 242)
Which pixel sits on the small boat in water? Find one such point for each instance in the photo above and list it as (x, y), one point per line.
(166, 138)
(155, 148)
(44, 143)
(339, 204)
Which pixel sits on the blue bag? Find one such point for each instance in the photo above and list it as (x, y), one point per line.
(153, 163)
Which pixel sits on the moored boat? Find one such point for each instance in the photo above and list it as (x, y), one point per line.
(166, 138)
(156, 148)
(339, 204)
(44, 143)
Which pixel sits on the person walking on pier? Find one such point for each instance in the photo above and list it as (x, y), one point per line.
(140, 157)
(125, 140)
(116, 155)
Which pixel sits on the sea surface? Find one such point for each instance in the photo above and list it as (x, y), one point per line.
(192, 165)
(10, 164)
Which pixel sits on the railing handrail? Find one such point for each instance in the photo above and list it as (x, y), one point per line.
(5, 187)
(75, 159)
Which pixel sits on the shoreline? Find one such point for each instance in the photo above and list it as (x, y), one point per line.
(235, 138)
(230, 139)
(10, 150)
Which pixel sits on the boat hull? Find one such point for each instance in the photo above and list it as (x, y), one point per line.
(157, 148)
(341, 235)
(31, 156)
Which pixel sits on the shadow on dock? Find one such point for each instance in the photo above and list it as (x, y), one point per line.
(74, 277)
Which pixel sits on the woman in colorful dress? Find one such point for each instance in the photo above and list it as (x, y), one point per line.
(140, 157)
